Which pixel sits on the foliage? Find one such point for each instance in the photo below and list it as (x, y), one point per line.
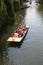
(7, 14)
(3, 13)
(8, 10)
(16, 5)
(40, 1)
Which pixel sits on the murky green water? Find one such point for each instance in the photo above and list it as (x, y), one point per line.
(30, 51)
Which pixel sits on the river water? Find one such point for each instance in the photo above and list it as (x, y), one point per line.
(30, 51)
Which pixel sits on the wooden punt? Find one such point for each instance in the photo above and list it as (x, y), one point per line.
(24, 7)
(18, 39)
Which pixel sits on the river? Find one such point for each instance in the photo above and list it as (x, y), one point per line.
(30, 51)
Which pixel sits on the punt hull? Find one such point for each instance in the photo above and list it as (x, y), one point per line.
(18, 39)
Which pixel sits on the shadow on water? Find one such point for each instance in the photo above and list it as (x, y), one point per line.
(14, 44)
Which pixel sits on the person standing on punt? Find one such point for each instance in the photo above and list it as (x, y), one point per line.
(30, 1)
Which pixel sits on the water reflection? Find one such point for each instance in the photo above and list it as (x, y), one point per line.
(3, 55)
